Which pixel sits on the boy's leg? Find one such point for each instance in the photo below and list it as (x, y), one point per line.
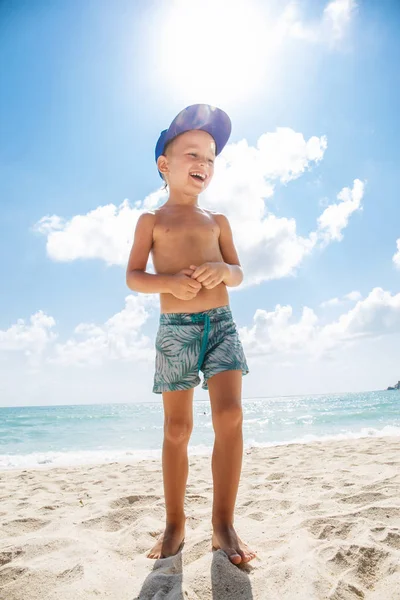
(178, 424)
(225, 396)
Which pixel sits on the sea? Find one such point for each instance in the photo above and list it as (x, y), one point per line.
(45, 436)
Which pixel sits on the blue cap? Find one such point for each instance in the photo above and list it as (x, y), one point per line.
(197, 116)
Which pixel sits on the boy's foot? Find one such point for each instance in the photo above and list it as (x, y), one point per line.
(225, 538)
(169, 543)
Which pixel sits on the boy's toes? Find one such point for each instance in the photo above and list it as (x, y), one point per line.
(234, 557)
(236, 550)
(248, 555)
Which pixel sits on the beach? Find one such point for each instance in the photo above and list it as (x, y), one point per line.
(323, 517)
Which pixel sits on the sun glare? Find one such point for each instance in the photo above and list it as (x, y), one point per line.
(212, 51)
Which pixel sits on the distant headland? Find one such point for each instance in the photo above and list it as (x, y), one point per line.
(396, 387)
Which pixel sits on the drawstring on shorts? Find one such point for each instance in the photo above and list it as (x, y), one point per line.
(202, 318)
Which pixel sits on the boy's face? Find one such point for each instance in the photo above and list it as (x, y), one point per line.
(188, 164)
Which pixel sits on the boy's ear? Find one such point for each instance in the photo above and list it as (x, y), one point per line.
(162, 164)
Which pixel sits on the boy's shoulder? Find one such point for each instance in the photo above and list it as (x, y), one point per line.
(146, 220)
(214, 213)
(218, 216)
(147, 215)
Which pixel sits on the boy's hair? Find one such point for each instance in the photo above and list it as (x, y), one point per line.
(167, 145)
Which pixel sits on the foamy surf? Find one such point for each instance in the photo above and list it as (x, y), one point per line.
(43, 460)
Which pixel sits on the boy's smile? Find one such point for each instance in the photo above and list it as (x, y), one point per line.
(199, 177)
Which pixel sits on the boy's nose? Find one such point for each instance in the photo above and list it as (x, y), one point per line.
(203, 164)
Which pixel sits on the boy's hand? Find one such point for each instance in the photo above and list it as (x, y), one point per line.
(210, 274)
(182, 285)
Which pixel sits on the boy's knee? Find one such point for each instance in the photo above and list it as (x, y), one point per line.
(229, 417)
(177, 431)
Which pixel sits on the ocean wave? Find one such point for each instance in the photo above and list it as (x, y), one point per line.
(387, 431)
(44, 460)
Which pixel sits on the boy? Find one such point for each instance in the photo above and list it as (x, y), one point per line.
(195, 260)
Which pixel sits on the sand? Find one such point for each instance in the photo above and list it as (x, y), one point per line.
(324, 519)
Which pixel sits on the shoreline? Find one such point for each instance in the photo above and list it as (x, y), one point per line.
(135, 456)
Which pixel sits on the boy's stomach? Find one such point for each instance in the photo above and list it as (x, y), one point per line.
(205, 300)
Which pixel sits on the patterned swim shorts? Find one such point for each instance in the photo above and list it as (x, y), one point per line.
(187, 343)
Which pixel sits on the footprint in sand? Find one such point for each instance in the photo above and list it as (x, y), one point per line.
(276, 476)
(70, 575)
(363, 498)
(344, 591)
(20, 526)
(11, 574)
(257, 516)
(331, 528)
(389, 515)
(141, 500)
(120, 518)
(389, 537)
(9, 555)
(367, 563)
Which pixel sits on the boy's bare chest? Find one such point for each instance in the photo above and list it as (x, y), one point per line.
(175, 228)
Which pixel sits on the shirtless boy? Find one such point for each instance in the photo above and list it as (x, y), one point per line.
(195, 260)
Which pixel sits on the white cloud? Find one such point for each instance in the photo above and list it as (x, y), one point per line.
(329, 29)
(32, 339)
(337, 16)
(105, 233)
(154, 199)
(331, 302)
(119, 338)
(336, 216)
(353, 296)
(350, 297)
(278, 333)
(396, 257)
(376, 315)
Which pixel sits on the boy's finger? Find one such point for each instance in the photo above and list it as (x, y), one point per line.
(193, 269)
(206, 275)
(212, 284)
(194, 284)
(207, 281)
(199, 271)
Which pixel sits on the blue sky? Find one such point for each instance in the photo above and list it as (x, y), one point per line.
(312, 89)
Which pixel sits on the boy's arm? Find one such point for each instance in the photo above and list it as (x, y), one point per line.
(136, 277)
(234, 275)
